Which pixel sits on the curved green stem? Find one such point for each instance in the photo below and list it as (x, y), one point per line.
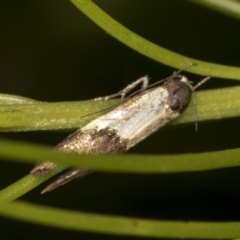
(64, 115)
(26, 184)
(23, 152)
(118, 225)
(150, 49)
(34, 115)
(228, 7)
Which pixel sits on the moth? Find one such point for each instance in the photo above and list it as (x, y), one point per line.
(136, 117)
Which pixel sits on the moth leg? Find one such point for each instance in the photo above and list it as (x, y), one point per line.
(143, 80)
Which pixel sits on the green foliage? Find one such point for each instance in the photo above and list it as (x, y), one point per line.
(23, 114)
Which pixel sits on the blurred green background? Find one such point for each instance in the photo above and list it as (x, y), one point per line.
(51, 52)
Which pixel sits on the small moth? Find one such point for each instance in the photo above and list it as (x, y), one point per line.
(134, 119)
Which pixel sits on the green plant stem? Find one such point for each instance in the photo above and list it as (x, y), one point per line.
(227, 7)
(150, 49)
(66, 115)
(45, 116)
(134, 163)
(23, 152)
(118, 225)
(26, 184)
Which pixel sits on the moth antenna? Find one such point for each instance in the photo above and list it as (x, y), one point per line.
(184, 68)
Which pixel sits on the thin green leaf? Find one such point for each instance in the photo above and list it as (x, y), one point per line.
(211, 105)
(229, 7)
(64, 115)
(150, 49)
(23, 152)
(118, 225)
(25, 184)
(6, 99)
(45, 116)
(26, 152)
